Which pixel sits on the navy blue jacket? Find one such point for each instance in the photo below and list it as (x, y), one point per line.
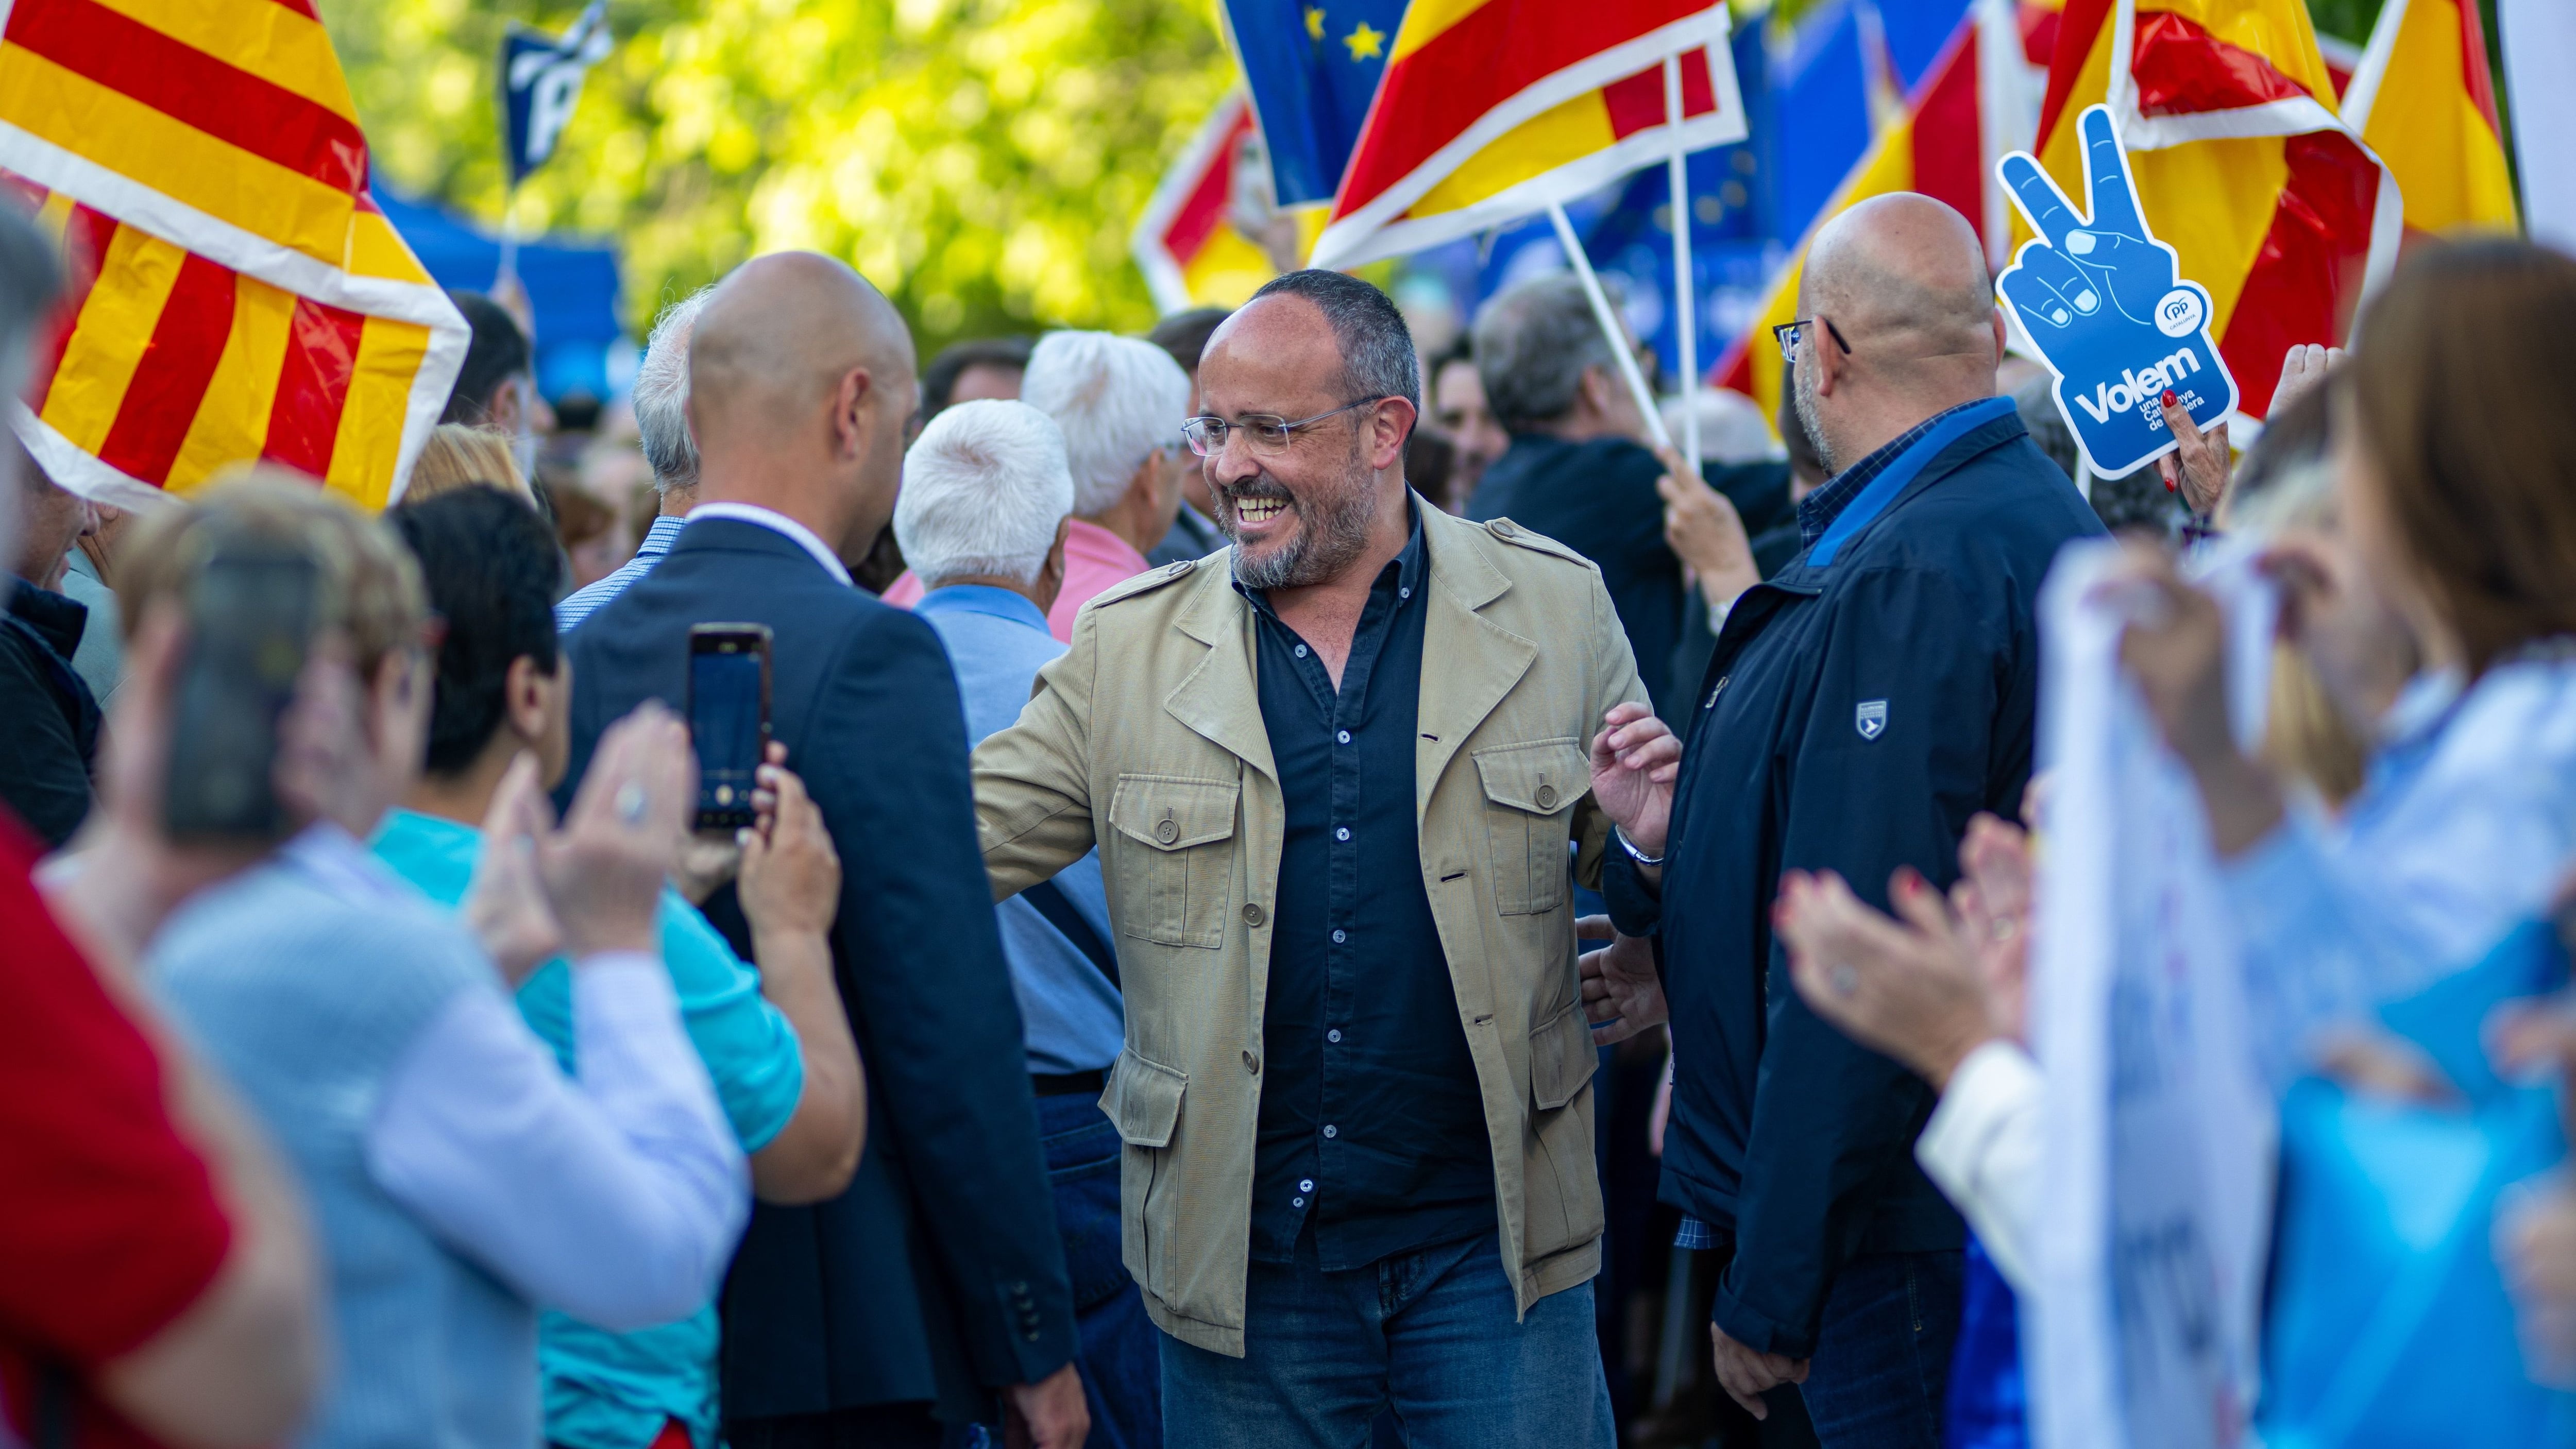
(938, 1273)
(1860, 707)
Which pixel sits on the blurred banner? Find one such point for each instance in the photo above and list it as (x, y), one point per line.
(1208, 236)
(2227, 112)
(2424, 100)
(1941, 135)
(1312, 67)
(541, 79)
(237, 293)
(1491, 110)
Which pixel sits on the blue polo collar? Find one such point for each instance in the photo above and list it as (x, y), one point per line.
(1900, 472)
(981, 599)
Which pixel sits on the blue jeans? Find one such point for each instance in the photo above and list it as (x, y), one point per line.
(1119, 1358)
(1883, 1356)
(1431, 1335)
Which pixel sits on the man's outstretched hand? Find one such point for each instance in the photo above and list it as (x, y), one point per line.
(1635, 760)
(1622, 995)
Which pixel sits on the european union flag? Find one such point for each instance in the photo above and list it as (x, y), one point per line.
(1313, 67)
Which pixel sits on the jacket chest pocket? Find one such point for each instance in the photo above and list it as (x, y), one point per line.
(1530, 791)
(1176, 874)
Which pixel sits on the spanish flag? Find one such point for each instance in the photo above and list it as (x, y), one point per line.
(1199, 242)
(2423, 99)
(238, 295)
(1970, 107)
(2243, 166)
(1493, 109)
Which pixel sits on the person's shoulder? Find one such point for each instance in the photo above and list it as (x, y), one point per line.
(1521, 539)
(1151, 581)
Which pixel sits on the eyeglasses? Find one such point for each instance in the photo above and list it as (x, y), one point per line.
(1268, 432)
(1786, 334)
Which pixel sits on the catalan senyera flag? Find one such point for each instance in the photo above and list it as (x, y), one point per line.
(1190, 243)
(238, 296)
(2424, 100)
(2242, 165)
(1973, 104)
(1492, 109)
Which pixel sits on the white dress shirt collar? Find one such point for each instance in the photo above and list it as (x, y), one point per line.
(773, 519)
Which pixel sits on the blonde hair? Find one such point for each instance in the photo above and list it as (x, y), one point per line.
(371, 586)
(458, 456)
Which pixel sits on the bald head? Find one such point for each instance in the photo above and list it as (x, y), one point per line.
(1909, 274)
(777, 339)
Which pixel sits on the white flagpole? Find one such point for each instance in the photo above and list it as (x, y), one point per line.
(1685, 292)
(1609, 320)
(509, 268)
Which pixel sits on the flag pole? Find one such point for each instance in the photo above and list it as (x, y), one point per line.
(509, 269)
(1685, 289)
(1609, 321)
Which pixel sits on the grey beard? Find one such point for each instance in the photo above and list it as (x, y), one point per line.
(1805, 397)
(1336, 532)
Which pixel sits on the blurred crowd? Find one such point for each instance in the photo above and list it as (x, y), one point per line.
(1145, 1004)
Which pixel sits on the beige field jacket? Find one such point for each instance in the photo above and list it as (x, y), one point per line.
(1147, 740)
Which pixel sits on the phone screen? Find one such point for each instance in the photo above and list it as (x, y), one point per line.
(726, 705)
(250, 622)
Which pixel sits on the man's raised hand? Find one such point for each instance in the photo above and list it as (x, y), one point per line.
(1635, 759)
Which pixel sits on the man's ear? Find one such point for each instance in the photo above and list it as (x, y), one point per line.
(850, 415)
(1391, 426)
(523, 697)
(1818, 349)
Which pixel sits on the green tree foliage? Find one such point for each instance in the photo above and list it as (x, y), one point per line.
(980, 160)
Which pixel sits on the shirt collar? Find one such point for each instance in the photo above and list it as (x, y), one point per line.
(771, 518)
(982, 599)
(1818, 510)
(659, 538)
(1406, 566)
(58, 619)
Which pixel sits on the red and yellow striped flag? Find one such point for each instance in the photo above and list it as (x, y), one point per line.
(1191, 243)
(2424, 100)
(238, 296)
(2242, 165)
(1493, 109)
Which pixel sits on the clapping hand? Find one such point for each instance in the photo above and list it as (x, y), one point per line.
(506, 906)
(1635, 760)
(604, 871)
(1911, 988)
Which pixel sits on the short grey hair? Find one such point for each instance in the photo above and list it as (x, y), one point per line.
(1378, 359)
(661, 396)
(1117, 399)
(983, 489)
(1533, 345)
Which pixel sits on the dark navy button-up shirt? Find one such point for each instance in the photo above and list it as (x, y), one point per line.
(1372, 1126)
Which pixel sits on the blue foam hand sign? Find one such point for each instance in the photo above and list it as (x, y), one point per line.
(2100, 298)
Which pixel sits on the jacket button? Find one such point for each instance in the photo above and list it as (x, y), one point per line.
(1546, 797)
(1167, 832)
(1253, 915)
(1251, 1061)
(1501, 528)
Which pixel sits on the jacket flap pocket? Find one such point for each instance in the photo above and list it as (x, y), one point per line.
(1541, 777)
(1144, 1099)
(1171, 812)
(1562, 1057)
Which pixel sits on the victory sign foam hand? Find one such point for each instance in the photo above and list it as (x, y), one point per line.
(2100, 298)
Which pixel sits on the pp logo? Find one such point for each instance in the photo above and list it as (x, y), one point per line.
(1871, 718)
(2103, 301)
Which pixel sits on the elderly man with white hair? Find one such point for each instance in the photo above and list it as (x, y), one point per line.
(1120, 402)
(661, 402)
(985, 520)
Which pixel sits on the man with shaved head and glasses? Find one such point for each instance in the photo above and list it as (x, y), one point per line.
(1861, 706)
(1341, 778)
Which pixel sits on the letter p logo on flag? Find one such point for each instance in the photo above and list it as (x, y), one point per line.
(2100, 298)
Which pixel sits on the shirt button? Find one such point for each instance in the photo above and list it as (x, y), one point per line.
(1253, 915)
(1307, 1185)
(1342, 833)
(1296, 1202)
(1301, 651)
(1339, 937)
(1332, 1131)
(1334, 1035)
(1251, 1061)
(1404, 593)
(1344, 737)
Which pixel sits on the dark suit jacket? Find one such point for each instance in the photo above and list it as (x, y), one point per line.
(938, 1273)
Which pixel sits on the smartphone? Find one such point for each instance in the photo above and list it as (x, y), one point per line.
(728, 718)
(252, 607)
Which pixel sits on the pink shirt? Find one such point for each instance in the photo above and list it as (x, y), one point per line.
(1094, 558)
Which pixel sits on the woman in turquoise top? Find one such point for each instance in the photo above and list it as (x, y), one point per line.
(775, 1040)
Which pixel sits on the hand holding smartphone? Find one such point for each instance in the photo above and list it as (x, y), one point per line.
(728, 719)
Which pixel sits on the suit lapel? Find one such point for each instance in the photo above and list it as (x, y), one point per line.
(1220, 700)
(1469, 661)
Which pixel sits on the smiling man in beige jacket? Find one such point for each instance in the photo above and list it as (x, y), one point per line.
(1341, 777)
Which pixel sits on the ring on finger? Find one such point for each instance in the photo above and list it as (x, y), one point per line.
(1844, 978)
(631, 802)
